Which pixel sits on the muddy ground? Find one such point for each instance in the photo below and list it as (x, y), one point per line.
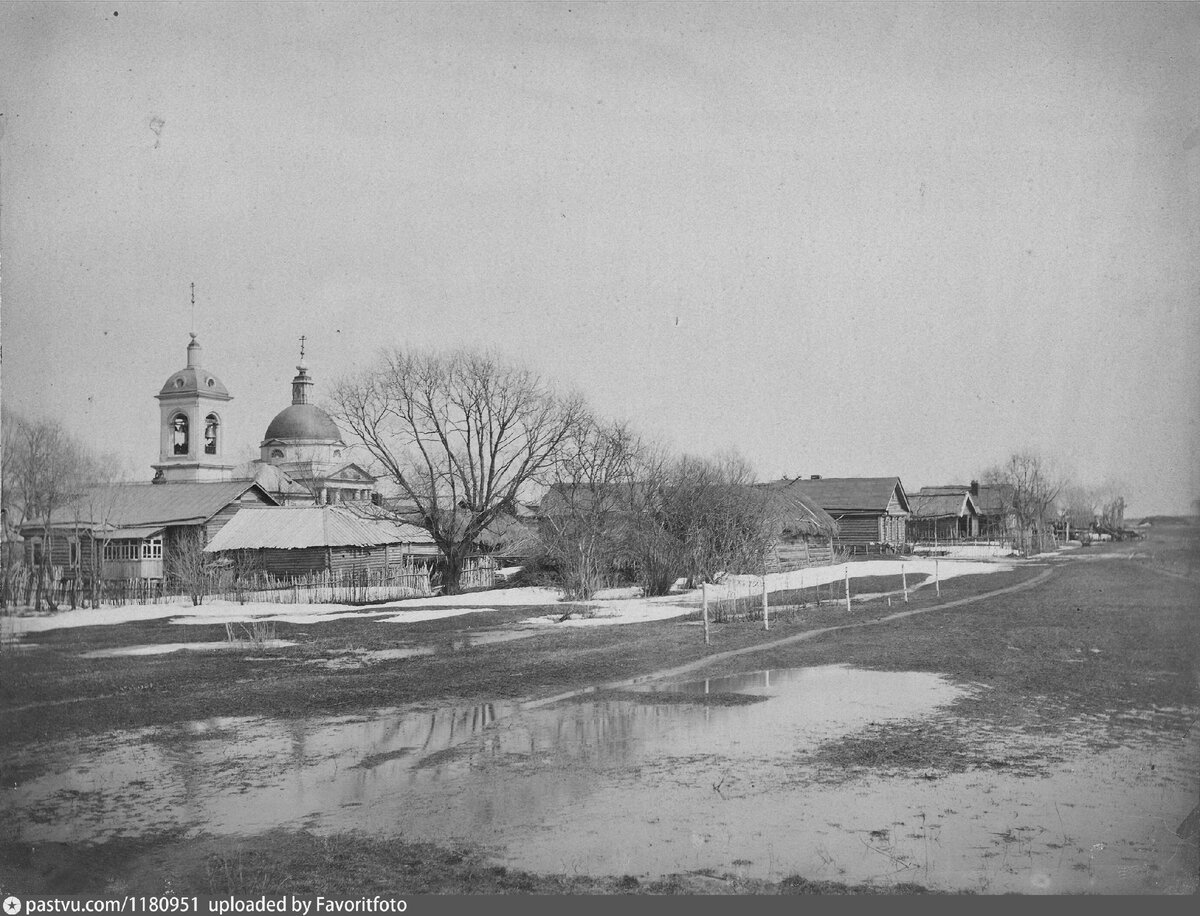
(1054, 749)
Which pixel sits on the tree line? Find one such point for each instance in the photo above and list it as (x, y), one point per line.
(464, 436)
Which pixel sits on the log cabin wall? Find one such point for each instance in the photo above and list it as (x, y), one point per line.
(858, 529)
(387, 558)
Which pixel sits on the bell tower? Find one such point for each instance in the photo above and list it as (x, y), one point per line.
(192, 424)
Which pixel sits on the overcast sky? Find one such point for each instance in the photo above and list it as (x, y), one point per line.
(842, 239)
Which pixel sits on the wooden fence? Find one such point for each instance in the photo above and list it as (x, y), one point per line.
(351, 586)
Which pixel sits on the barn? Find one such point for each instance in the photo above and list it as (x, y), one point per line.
(871, 512)
(291, 542)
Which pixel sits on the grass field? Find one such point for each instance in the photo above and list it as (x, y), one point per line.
(1106, 640)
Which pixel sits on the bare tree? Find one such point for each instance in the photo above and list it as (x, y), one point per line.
(1029, 488)
(587, 513)
(719, 518)
(46, 471)
(1111, 499)
(187, 566)
(1078, 506)
(459, 434)
(698, 518)
(97, 509)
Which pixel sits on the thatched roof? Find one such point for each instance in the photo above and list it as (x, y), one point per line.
(795, 512)
(942, 505)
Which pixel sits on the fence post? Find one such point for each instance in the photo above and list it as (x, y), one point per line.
(937, 579)
(847, 587)
(704, 606)
(766, 622)
(904, 582)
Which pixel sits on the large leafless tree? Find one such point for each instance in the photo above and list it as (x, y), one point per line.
(1030, 486)
(460, 434)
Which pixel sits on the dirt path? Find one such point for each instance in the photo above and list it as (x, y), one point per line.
(784, 641)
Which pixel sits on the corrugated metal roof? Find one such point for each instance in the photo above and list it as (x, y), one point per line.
(293, 527)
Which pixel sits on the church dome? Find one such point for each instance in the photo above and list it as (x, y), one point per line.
(303, 421)
(193, 378)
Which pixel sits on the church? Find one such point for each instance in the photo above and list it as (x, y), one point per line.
(128, 531)
(303, 458)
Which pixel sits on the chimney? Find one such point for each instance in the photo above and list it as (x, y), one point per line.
(974, 487)
(814, 477)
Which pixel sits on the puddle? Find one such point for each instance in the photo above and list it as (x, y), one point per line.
(646, 785)
(164, 648)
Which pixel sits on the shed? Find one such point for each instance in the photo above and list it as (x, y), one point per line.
(296, 541)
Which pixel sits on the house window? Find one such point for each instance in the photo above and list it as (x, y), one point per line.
(73, 551)
(179, 434)
(210, 434)
(126, 549)
(36, 544)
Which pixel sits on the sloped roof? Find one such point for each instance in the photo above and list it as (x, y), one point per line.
(850, 494)
(797, 512)
(146, 504)
(272, 479)
(939, 505)
(991, 498)
(292, 527)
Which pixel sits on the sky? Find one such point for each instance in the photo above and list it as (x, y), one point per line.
(840, 239)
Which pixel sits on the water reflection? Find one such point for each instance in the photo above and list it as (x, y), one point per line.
(648, 785)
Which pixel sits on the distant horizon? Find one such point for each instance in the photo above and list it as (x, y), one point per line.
(852, 240)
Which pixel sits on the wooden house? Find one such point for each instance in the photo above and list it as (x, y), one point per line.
(871, 512)
(127, 532)
(290, 542)
(943, 515)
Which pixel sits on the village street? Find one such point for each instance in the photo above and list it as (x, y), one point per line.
(1031, 729)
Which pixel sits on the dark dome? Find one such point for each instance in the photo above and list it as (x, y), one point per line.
(303, 421)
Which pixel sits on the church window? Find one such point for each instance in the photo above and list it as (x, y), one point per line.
(210, 434)
(179, 434)
(337, 453)
(179, 382)
(276, 453)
